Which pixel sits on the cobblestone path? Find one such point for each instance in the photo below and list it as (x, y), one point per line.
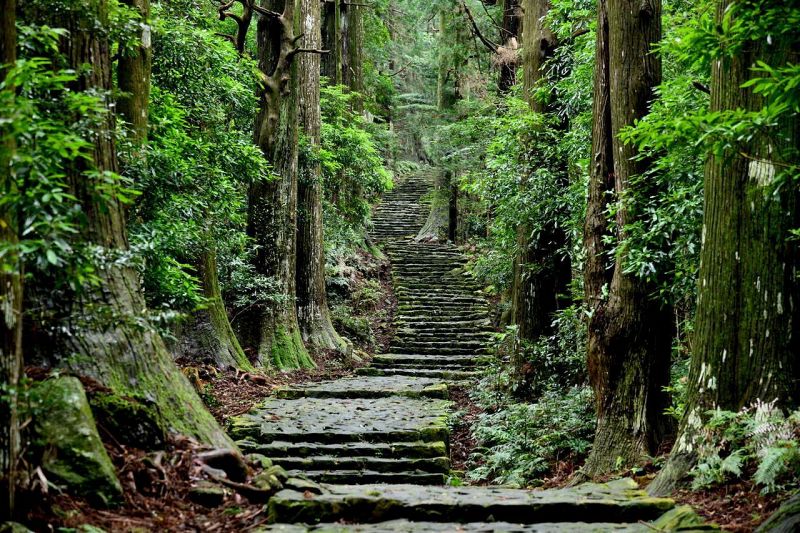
(375, 446)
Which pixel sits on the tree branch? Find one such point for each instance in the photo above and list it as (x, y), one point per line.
(476, 31)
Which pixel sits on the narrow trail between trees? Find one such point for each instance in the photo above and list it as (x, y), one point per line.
(372, 451)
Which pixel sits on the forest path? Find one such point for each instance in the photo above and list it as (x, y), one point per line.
(378, 442)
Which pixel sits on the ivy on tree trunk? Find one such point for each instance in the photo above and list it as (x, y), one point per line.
(745, 341)
(103, 336)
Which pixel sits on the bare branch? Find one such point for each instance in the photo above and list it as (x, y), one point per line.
(476, 31)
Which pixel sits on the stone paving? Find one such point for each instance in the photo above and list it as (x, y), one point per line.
(377, 443)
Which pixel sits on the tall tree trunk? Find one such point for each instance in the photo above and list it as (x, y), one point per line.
(133, 77)
(271, 328)
(630, 333)
(10, 289)
(122, 355)
(209, 335)
(510, 33)
(352, 18)
(745, 339)
(312, 302)
(332, 41)
(541, 273)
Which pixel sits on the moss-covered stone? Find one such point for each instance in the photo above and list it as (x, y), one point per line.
(69, 445)
(784, 520)
(258, 460)
(682, 518)
(207, 494)
(132, 422)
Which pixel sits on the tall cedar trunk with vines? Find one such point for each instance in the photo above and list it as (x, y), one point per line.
(745, 339)
(312, 303)
(541, 273)
(10, 290)
(133, 76)
(331, 63)
(630, 332)
(115, 349)
(510, 34)
(270, 328)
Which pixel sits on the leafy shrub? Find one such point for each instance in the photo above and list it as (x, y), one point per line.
(520, 442)
(759, 439)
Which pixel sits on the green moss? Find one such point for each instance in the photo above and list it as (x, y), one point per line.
(66, 438)
(132, 422)
(288, 351)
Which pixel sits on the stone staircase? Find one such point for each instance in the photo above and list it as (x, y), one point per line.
(402, 213)
(377, 443)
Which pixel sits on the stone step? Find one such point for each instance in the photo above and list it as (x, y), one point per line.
(355, 387)
(664, 523)
(438, 350)
(346, 477)
(340, 420)
(393, 450)
(408, 319)
(422, 336)
(426, 360)
(449, 375)
(430, 465)
(617, 501)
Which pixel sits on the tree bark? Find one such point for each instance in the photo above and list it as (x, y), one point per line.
(332, 41)
(541, 273)
(133, 77)
(312, 302)
(510, 34)
(271, 328)
(745, 339)
(352, 19)
(630, 333)
(209, 335)
(10, 289)
(119, 352)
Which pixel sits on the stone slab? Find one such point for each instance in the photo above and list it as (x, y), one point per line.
(332, 420)
(619, 501)
(359, 387)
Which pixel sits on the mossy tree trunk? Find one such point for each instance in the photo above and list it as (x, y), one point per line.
(103, 336)
(133, 76)
(312, 302)
(271, 328)
(630, 332)
(209, 336)
(10, 289)
(745, 340)
(510, 34)
(542, 271)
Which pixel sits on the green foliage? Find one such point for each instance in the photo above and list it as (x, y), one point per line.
(53, 128)
(758, 442)
(353, 170)
(196, 167)
(519, 443)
